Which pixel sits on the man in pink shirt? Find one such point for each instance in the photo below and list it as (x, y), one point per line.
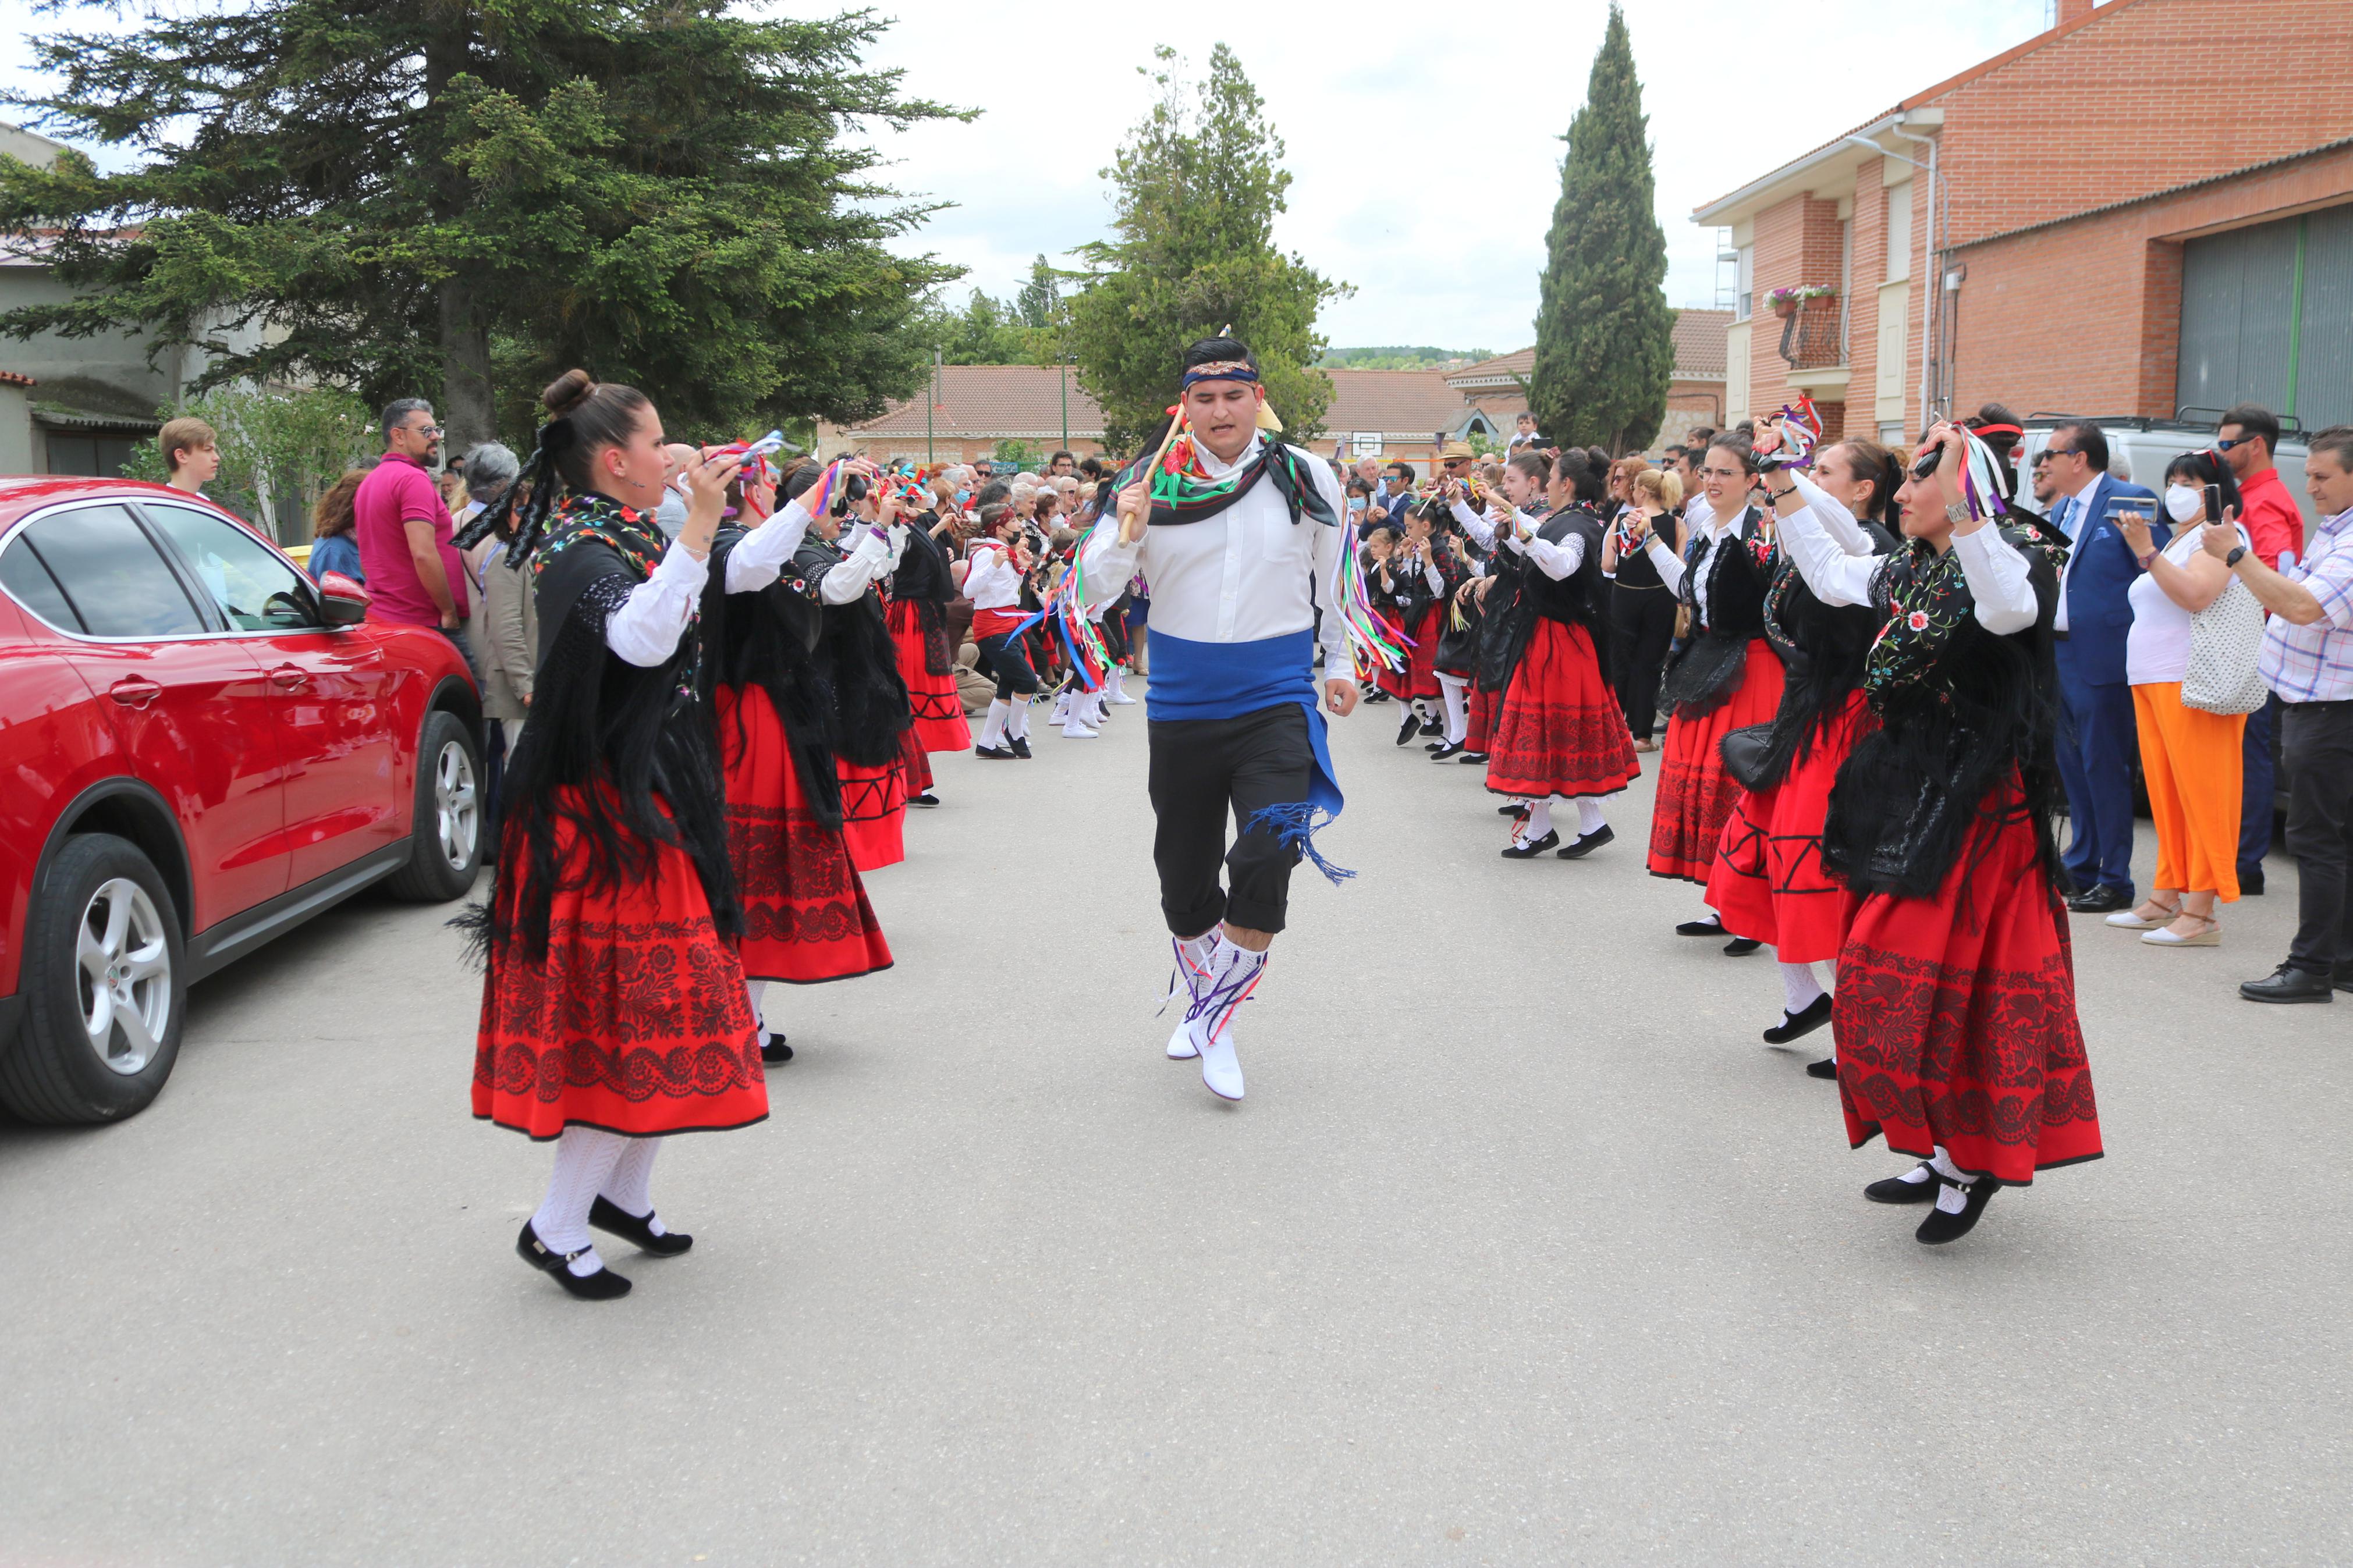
(414, 575)
(2245, 437)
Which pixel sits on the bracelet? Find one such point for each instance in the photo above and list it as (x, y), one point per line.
(1782, 495)
(2144, 560)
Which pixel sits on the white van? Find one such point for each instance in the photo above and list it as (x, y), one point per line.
(2140, 448)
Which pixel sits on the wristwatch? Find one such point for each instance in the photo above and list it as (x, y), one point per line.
(2232, 558)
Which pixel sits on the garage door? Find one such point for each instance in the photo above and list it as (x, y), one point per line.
(2262, 319)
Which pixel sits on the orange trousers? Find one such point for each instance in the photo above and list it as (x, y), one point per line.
(2190, 760)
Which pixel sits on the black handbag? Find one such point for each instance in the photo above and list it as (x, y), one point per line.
(1743, 751)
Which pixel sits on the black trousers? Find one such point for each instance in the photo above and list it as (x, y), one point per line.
(2317, 746)
(1010, 662)
(1203, 768)
(1642, 625)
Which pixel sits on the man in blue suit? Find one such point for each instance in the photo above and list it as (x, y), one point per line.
(2097, 736)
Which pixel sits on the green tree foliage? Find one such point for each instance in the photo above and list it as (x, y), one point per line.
(1040, 303)
(395, 195)
(1422, 357)
(1197, 191)
(1605, 338)
(987, 330)
(280, 450)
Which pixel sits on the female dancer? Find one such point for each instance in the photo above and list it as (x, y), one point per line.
(857, 663)
(1426, 581)
(1727, 676)
(1455, 660)
(612, 1008)
(1955, 1007)
(1769, 882)
(1641, 606)
(920, 591)
(1503, 618)
(1559, 732)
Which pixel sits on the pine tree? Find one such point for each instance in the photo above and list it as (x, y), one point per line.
(1605, 338)
(1196, 192)
(1040, 303)
(461, 198)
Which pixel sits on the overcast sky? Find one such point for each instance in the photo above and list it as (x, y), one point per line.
(1423, 141)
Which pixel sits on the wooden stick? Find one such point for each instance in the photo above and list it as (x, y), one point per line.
(1126, 536)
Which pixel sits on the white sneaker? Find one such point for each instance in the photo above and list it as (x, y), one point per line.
(1062, 709)
(1075, 730)
(1221, 1070)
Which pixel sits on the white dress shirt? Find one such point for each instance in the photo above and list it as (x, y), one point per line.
(1244, 575)
(1998, 577)
(991, 580)
(1554, 561)
(2075, 521)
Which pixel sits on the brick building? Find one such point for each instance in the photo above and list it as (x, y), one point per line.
(2107, 235)
(1498, 387)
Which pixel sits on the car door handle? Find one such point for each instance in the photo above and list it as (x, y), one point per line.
(287, 677)
(135, 692)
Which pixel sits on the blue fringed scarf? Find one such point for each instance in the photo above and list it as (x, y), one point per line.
(1229, 679)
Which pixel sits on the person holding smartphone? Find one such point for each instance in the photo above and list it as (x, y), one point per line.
(2190, 758)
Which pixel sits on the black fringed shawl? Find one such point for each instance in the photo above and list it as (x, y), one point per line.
(857, 663)
(1710, 665)
(767, 640)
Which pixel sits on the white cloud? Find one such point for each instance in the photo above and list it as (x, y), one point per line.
(1424, 144)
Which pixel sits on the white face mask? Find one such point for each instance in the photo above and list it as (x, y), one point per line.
(2184, 503)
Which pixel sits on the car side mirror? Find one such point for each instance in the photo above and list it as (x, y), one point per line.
(344, 602)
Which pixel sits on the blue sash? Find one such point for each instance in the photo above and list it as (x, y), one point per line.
(1231, 679)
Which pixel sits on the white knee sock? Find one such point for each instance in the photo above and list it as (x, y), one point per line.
(1458, 711)
(585, 1159)
(1943, 1162)
(1539, 821)
(1588, 815)
(751, 989)
(1017, 723)
(992, 732)
(1799, 989)
(1229, 974)
(628, 1188)
(1061, 707)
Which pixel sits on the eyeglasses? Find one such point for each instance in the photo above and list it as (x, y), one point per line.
(425, 429)
(2060, 452)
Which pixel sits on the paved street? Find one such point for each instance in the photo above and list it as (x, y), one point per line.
(1523, 1249)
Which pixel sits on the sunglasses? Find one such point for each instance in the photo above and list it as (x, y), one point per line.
(2222, 445)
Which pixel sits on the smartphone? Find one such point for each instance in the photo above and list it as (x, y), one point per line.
(2213, 503)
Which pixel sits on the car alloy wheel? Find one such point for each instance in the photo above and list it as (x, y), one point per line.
(126, 975)
(456, 804)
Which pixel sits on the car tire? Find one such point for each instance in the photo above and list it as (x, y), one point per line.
(444, 835)
(104, 946)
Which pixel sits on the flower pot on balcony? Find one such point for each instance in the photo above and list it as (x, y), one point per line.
(1785, 308)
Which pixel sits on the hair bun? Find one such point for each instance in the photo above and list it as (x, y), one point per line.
(567, 393)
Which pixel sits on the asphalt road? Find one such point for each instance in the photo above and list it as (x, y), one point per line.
(1523, 1249)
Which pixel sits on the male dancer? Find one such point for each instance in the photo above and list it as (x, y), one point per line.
(1240, 537)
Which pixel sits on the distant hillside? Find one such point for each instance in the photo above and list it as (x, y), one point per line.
(1401, 357)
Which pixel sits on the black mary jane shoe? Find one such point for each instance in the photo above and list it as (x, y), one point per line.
(1940, 1228)
(1534, 847)
(1020, 746)
(1515, 809)
(1410, 728)
(1741, 946)
(992, 753)
(772, 1048)
(612, 1218)
(602, 1285)
(1447, 753)
(1434, 747)
(1470, 758)
(1805, 1021)
(1587, 843)
(1896, 1190)
(1432, 727)
(2106, 901)
(1710, 927)
(1376, 696)
(1826, 1067)
(926, 798)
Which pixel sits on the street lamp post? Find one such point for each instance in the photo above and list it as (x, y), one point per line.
(1066, 401)
(931, 401)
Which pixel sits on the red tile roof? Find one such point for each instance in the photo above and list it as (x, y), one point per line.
(996, 402)
(1412, 404)
(1699, 344)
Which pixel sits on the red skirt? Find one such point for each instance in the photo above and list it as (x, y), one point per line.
(1481, 719)
(1955, 1016)
(1769, 882)
(1695, 794)
(873, 811)
(637, 1022)
(805, 917)
(1397, 683)
(939, 711)
(1561, 730)
(1421, 669)
(915, 763)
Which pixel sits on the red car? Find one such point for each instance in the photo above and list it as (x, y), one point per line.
(201, 749)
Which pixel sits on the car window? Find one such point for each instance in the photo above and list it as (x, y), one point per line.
(256, 590)
(112, 574)
(28, 582)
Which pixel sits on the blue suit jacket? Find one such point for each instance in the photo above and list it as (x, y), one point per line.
(2098, 615)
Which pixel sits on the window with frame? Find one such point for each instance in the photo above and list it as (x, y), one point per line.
(256, 590)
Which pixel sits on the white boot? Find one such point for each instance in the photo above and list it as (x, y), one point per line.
(1119, 696)
(1186, 981)
(1062, 709)
(1231, 975)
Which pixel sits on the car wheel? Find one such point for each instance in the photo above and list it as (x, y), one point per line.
(446, 834)
(105, 987)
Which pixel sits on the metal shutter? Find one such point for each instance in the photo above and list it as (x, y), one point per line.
(2262, 319)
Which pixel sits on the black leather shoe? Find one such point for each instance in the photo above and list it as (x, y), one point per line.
(2105, 900)
(1515, 809)
(1826, 1067)
(2251, 881)
(1019, 745)
(1792, 1025)
(1410, 728)
(1940, 1228)
(1434, 747)
(772, 1048)
(1588, 843)
(1447, 753)
(2345, 978)
(602, 1285)
(1533, 848)
(1432, 727)
(1896, 1190)
(1741, 946)
(992, 753)
(2289, 984)
(926, 798)
(1708, 927)
(1469, 759)
(613, 1218)
(1376, 695)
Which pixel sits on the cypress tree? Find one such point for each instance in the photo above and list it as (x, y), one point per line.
(1605, 338)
